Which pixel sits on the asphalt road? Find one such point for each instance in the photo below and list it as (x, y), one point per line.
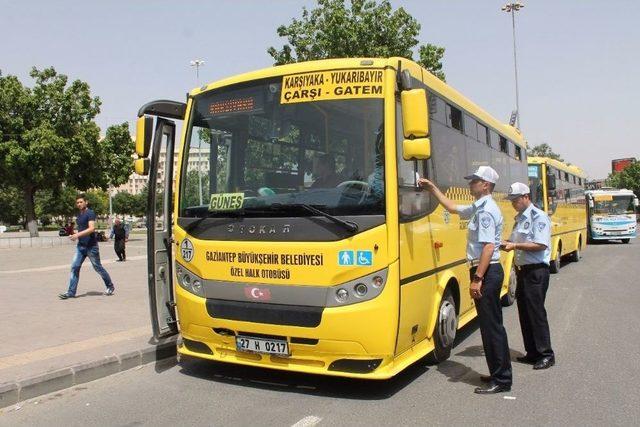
(593, 310)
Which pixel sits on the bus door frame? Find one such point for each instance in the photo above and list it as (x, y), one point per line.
(159, 248)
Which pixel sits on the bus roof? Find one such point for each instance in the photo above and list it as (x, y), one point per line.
(611, 191)
(430, 80)
(575, 170)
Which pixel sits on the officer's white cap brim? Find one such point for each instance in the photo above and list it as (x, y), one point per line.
(515, 196)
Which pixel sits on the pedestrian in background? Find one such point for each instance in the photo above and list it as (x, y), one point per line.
(483, 254)
(531, 239)
(120, 234)
(87, 247)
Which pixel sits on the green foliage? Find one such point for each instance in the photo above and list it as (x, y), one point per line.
(124, 203)
(118, 149)
(362, 28)
(48, 137)
(98, 200)
(57, 202)
(629, 178)
(11, 206)
(543, 150)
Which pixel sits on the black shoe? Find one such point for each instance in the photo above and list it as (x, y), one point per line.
(492, 388)
(530, 360)
(545, 362)
(66, 296)
(486, 378)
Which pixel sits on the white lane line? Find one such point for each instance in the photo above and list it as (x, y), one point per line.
(66, 266)
(309, 421)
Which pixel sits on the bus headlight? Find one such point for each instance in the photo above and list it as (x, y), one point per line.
(189, 281)
(196, 285)
(359, 290)
(342, 295)
(377, 281)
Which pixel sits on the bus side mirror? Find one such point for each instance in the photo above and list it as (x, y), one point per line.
(551, 182)
(636, 202)
(142, 166)
(144, 135)
(415, 125)
(591, 203)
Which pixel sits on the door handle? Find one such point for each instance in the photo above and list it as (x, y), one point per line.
(161, 271)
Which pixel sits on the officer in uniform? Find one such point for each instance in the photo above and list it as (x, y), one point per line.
(483, 254)
(531, 239)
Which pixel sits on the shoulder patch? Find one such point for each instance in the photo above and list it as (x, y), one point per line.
(485, 221)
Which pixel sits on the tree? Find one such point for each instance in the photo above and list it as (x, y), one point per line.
(629, 178)
(124, 203)
(364, 28)
(543, 150)
(11, 206)
(98, 201)
(57, 202)
(48, 138)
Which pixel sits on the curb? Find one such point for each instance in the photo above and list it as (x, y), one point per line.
(38, 385)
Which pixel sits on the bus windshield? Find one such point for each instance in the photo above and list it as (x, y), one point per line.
(615, 205)
(249, 154)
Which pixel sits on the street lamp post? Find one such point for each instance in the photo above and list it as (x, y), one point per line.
(512, 8)
(198, 63)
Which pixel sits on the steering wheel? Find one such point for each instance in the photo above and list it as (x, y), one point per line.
(355, 186)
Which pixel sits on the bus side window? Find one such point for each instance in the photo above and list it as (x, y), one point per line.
(454, 117)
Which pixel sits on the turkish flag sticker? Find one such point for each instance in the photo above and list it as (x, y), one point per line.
(256, 293)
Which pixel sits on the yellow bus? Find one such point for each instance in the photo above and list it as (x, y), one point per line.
(297, 238)
(558, 189)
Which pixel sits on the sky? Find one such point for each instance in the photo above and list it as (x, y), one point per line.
(578, 60)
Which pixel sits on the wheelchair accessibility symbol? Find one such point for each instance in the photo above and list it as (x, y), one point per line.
(365, 258)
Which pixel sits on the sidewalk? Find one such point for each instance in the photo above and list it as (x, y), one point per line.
(49, 344)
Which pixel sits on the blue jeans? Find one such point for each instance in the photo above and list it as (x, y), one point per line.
(93, 253)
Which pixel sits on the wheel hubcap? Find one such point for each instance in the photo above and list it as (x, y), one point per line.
(448, 323)
(512, 284)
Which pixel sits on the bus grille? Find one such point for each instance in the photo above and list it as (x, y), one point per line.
(274, 314)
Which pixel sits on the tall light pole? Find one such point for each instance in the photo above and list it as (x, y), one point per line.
(512, 8)
(198, 63)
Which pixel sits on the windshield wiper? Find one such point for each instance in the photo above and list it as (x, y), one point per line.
(212, 214)
(348, 225)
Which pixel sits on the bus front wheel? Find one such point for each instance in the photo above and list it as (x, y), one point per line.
(445, 330)
(575, 256)
(555, 263)
(510, 296)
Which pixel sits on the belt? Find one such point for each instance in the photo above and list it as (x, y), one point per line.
(529, 267)
(476, 262)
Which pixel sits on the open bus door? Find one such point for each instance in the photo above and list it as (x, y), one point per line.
(155, 149)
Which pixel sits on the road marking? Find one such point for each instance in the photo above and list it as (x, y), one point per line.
(309, 421)
(72, 347)
(66, 266)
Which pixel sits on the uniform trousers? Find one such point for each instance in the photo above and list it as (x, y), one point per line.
(494, 336)
(533, 282)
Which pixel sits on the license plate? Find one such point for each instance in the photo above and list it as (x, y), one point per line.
(262, 345)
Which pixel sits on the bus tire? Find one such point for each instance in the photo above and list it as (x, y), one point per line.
(625, 240)
(575, 255)
(444, 333)
(510, 297)
(555, 263)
